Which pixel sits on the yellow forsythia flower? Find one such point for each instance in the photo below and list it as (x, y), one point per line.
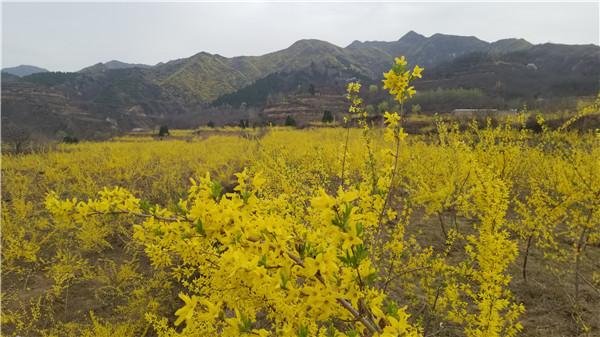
(186, 312)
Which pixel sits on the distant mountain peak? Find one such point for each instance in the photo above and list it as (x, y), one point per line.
(115, 63)
(412, 36)
(438, 36)
(513, 40)
(112, 64)
(312, 43)
(24, 70)
(354, 43)
(509, 45)
(203, 53)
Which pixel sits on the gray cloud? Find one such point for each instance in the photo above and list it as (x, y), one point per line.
(70, 36)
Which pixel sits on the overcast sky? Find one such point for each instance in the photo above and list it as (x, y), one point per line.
(70, 36)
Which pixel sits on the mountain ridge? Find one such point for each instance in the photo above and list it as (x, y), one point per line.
(129, 93)
(409, 36)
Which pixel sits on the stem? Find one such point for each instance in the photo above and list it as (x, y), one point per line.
(529, 239)
(26, 280)
(379, 236)
(360, 281)
(389, 193)
(66, 302)
(388, 196)
(146, 330)
(427, 313)
(442, 225)
(372, 327)
(454, 221)
(488, 319)
(580, 248)
(345, 151)
(371, 162)
(590, 284)
(399, 274)
(389, 274)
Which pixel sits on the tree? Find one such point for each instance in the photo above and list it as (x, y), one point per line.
(244, 123)
(163, 131)
(416, 109)
(311, 89)
(327, 117)
(383, 106)
(18, 136)
(290, 121)
(373, 89)
(70, 140)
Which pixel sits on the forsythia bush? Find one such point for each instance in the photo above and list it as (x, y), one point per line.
(304, 233)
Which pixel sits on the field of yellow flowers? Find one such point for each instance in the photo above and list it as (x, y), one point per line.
(488, 231)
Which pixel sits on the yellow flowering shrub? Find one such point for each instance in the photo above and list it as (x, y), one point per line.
(314, 232)
(240, 256)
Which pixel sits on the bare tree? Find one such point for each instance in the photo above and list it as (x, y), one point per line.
(19, 137)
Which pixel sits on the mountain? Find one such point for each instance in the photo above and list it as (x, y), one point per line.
(424, 51)
(318, 80)
(130, 94)
(204, 77)
(540, 71)
(114, 64)
(23, 70)
(508, 69)
(508, 45)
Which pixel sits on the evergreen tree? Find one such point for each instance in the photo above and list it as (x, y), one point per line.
(290, 121)
(163, 131)
(327, 116)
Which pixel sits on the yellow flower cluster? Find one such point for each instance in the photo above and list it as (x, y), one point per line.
(253, 259)
(352, 96)
(397, 80)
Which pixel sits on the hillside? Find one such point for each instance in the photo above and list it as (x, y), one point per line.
(204, 77)
(538, 71)
(510, 69)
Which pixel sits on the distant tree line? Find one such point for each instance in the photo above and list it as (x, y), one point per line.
(50, 78)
